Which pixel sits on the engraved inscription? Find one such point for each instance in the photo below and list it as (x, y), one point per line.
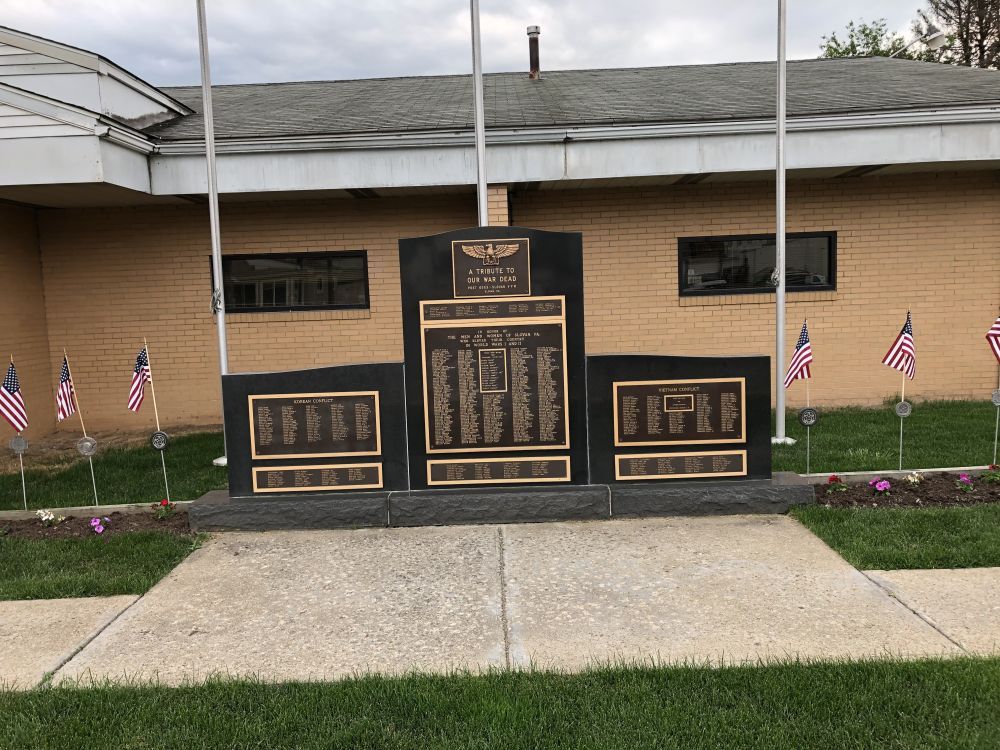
(680, 465)
(303, 425)
(315, 478)
(495, 386)
(491, 268)
(669, 412)
(498, 470)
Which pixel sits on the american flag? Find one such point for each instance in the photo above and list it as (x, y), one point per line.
(993, 337)
(139, 377)
(65, 396)
(12, 402)
(799, 366)
(902, 355)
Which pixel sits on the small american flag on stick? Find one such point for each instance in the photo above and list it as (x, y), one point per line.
(993, 337)
(798, 368)
(12, 402)
(65, 395)
(140, 376)
(902, 355)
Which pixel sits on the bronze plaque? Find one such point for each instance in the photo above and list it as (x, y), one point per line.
(495, 386)
(692, 412)
(681, 465)
(498, 470)
(491, 268)
(532, 307)
(314, 425)
(323, 477)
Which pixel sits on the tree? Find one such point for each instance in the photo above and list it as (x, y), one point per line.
(973, 29)
(867, 40)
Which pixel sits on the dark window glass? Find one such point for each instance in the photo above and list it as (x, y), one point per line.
(720, 265)
(303, 281)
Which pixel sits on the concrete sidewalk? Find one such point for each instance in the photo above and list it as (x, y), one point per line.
(322, 605)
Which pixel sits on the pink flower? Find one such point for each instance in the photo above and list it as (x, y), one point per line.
(875, 481)
(964, 478)
(95, 521)
(882, 486)
(99, 529)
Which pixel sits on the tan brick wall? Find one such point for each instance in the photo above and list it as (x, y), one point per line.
(116, 275)
(928, 242)
(22, 311)
(497, 206)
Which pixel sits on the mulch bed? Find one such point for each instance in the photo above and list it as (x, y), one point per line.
(936, 490)
(78, 527)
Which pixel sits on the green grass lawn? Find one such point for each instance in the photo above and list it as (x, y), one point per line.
(898, 538)
(124, 475)
(937, 434)
(928, 704)
(96, 566)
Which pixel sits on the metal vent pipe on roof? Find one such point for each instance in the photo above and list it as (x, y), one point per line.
(535, 70)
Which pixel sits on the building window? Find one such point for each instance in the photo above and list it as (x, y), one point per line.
(295, 281)
(744, 265)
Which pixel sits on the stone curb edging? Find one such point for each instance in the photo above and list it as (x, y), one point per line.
(85, 510)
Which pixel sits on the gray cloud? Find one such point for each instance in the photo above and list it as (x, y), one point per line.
(269, 40)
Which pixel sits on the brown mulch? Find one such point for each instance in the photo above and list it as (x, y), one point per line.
(78, 527)
(936, 490)
(57, 450)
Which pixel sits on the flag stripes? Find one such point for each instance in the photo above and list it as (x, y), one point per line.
(993, 338)
(65, 395)
(798, 368)
(140, 376)
(12, 402)
(902, 355)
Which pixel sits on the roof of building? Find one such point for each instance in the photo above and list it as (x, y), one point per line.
(573, 98)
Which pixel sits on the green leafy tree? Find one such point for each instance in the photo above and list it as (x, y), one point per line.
(863, 39)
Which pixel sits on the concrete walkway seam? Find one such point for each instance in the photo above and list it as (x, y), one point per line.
(504, 617)
(46, 681)
(892, 594)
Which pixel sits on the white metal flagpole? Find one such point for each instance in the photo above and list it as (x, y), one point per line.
(779, 237)
(480, 116)
(156, 414)
(83, 427)
(24, 487)
(218, 295)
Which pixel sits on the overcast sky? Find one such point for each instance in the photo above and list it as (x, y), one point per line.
(274, 40)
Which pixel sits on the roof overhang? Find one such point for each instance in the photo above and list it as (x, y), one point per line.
(552, 155)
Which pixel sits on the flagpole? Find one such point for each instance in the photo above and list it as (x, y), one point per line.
(156, 413)
(479, 116)
(996, 429)
(808, 432)
(20, 460)
(902, 397)
(79, 412)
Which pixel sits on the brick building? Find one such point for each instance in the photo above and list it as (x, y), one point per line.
(893, 199)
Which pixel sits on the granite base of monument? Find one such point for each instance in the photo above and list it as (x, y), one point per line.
(216, 511)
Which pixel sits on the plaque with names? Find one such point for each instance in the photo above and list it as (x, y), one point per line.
(491, 268)
(690, 412)
(647, 466)
(498, 470)
(314, 425)
(532, 307)
(317, 478)
(495, 385)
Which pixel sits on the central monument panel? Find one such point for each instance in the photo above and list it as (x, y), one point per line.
(493, 345)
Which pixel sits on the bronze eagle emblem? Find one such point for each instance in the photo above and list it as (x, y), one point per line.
(489, 253)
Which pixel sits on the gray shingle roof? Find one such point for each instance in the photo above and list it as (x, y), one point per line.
(691, 93)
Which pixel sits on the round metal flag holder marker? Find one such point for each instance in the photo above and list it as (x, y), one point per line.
(808, 417)
(159, 440)
(904, 409)
(18, 445)
(87, 446)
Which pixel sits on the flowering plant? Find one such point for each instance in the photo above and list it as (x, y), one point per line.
(835, 484)
(964, 482)
(991, 475)
(163, 509)
(48, 518)
(914, 478)
(880, 486)
(99, 524)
